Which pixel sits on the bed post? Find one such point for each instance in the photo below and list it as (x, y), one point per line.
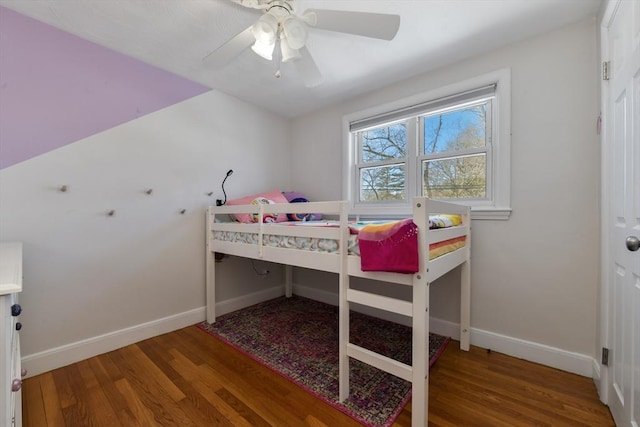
(343, 306)
(210, 274)
(288, 280)
(465, 290)
(420, 322)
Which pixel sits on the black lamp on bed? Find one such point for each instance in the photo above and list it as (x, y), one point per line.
(217, 255)
(222, 202)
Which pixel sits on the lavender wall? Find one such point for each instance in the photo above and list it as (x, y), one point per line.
(79, 115)
(56, 88)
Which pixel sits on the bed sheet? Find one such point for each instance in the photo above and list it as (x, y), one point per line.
(324, 245)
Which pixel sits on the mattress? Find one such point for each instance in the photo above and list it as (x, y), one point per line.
(323, 245)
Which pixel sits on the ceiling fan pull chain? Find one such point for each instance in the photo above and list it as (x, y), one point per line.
(278, 50)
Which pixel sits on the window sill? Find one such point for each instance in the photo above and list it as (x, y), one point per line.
(502, 214)
(392, 212)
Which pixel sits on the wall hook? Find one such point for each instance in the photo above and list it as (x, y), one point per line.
(64, 188)
(182, 211)
(210, 193)
(148, 191)
(111, 212)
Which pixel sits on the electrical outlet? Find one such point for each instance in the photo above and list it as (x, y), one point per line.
(218, 202)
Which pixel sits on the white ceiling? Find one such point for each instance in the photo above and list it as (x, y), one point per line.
(176, 35)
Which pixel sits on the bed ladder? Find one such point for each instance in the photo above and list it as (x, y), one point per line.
(416, 373)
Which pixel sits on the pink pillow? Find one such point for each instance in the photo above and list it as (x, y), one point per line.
(275, 196)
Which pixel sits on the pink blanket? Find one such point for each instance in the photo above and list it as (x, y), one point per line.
(391, 246)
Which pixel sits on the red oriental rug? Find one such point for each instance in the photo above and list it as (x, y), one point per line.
(298, 338)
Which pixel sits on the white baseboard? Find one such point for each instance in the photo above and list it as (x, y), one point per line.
(600, 380)
(58, 357)
(315, 294)
(234, 304)
(554, 357)
(332, 299)
(539, 353)
(576, 363)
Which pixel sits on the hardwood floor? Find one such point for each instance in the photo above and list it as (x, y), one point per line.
(189, 378)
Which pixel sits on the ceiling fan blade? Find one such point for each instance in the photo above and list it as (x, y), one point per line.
(308, 69)
(231, 48)
(376, 25)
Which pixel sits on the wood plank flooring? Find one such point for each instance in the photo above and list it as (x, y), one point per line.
(189, 378)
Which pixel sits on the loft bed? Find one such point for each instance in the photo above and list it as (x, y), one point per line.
(262, 240)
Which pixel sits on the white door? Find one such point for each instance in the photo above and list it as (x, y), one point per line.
(621, 34)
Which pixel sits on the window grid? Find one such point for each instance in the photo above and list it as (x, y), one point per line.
(415, 158)
(494, 85)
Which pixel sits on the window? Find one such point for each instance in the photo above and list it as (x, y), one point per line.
(383, 156)
(451, 144)
(453, 151)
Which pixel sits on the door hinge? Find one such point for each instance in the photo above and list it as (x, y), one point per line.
(605, 356)
(605, 70)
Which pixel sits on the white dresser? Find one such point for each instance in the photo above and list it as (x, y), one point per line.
(11, 372)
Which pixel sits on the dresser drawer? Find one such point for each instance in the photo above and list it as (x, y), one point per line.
(10, 362)
(10, 369)
(16, 382)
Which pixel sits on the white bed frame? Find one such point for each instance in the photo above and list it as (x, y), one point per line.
(349, 265)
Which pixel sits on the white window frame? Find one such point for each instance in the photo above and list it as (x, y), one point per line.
(497, 205)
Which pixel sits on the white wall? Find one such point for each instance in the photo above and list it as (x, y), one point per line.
(535, 276)
(87, 274)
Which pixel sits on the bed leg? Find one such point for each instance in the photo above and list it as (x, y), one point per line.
(211, 300)
(288, 281)
(420, 358)
(210, 294)
(343, 338)
(343, 307)
(465, 306)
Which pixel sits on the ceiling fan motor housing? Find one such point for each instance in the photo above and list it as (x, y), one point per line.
(279, 27)
(278, 23)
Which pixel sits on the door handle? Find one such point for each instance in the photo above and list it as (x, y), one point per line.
(633, 243)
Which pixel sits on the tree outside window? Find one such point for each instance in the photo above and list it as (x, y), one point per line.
(452, 155)
(454, 164)
(383, 155)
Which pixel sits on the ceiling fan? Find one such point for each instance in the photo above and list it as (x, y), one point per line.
(280, 34)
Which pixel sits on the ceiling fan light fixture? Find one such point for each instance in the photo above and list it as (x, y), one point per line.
(310, 18)
(265, 50)
(288, 54)
(265, 29)
(295, 30)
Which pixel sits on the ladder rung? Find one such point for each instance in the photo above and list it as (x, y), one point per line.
(393, 305)
(379, 361)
